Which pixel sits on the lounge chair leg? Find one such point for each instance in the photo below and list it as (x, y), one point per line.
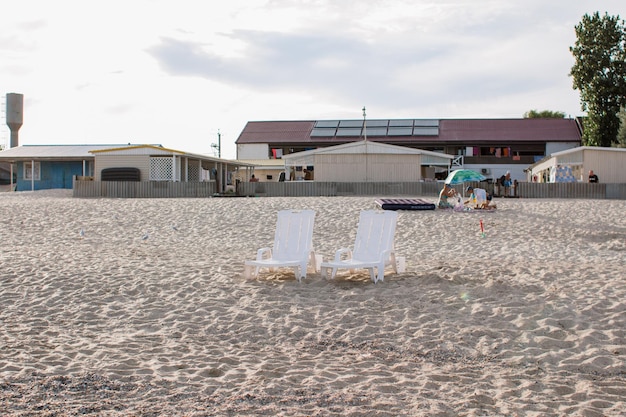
(333, 273)
(372, 276)
(318, 261)
(394, 263)
(381, 272)
(247, 272)
(324, 271)
(296, 272)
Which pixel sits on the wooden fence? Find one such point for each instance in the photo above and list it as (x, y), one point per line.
(164, 189)
(315, 188)
(143, 189)
(426, 189)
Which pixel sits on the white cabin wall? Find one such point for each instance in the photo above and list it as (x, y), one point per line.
(253, 151)
(103, 161)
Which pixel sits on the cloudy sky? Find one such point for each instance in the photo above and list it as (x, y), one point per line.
(176, 73)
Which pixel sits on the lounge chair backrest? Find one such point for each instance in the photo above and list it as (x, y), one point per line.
(293, 238)
(375, 234)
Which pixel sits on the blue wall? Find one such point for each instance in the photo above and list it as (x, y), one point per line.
(54, 174)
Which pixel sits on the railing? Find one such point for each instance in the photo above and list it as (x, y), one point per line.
(458, 162)
(494, 160)
(143, 189)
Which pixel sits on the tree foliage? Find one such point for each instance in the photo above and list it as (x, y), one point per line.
(599, 73)
(544, 114)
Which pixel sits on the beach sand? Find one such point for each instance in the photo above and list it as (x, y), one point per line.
(147, 312)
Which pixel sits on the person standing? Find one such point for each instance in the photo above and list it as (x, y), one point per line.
(593, 178)
(503, 185)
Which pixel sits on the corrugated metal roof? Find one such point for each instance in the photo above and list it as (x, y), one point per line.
(64, 152)
(369, 147)
(153, 150)
(588, 148)
(577, 152)
(363, 147)
(88, 152)
(139, 150)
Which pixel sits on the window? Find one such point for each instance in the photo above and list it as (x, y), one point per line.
(28, 171)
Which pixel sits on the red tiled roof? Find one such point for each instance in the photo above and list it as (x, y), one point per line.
(277, 132)
(450, 131)
(509, 130)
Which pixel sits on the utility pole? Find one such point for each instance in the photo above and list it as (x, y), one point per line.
(364, 124)
(365, 141)
(218, 146)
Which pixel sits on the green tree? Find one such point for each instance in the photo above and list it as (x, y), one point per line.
(599, 73)
(544, 114)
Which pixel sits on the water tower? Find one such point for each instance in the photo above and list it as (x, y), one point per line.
(15, 116)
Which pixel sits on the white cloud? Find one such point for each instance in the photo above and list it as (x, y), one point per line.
(174, 73)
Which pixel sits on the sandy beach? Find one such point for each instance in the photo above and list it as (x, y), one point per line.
(147, 312)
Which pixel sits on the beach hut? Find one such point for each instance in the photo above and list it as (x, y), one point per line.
(42, 167)
(607, 163)
(366, 161)
(156, 163)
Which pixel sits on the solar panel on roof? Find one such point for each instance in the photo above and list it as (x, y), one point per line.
(425, 131)
(350, 123)
(426, 122)
(327, 123)
(323, 132)
(400, 131)
(401, 122)
(376, 131)
(377, 123)
(375, 127)
(348, 132)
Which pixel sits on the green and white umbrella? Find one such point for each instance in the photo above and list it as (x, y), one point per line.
(459, 176)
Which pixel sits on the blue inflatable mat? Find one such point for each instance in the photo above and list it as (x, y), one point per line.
(405, 204)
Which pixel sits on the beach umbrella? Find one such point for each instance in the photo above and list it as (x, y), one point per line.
(460, 176)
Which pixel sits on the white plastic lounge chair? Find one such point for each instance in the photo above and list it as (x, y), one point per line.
(293, 245)
(373, 247)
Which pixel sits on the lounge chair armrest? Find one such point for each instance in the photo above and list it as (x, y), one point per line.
(343, 253)
(263, 253)
(389, 254)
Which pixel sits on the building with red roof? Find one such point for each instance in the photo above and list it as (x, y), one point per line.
(491, 146)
